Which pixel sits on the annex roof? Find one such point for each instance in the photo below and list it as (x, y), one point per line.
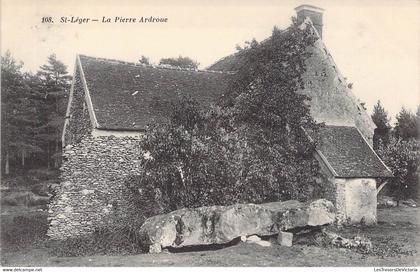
(348, 153)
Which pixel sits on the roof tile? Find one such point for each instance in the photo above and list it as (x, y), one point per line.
(348, 153)
(129, 96)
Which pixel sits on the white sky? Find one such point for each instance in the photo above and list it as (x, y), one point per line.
(376, 44)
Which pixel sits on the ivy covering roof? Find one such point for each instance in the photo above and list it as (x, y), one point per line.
(128, 96)
(347, 152)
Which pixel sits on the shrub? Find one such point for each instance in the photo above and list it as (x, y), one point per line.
(182, 62)
(402, 157)
(22, 231)
(115, 239)
(386, 247)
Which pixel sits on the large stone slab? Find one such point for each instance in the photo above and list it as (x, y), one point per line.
(222, 224)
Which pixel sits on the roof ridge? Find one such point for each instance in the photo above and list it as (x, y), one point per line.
(167, 67)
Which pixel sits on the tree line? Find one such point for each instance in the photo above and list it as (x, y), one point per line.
(399, 148)
(33, 107)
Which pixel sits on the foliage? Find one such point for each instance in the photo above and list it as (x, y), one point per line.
(22, 231)
(181, 62)
(113, 239)
(268, 114)
(251, 148)
(18, 111)
(187, 162)
(386, 247)
(383, 128)
(144, 60)
(380, 116)
(55, 84)
(33, 109)
(402, 157)
(407, 125)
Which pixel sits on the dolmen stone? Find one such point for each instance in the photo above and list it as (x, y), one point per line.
(222, 224)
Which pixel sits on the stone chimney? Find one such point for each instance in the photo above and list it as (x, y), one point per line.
(314, 13)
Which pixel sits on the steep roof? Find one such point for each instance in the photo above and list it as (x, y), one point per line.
(127, 96)
(348, 153)
(332, 101)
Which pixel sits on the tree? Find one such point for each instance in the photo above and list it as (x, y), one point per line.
(270, 115)
(381, 120)
(402, 157)
(181, 62)
(144, 60)
(406, 126)
(12, 84)
(18, 114)
(189, 161)
(252, 147)
(55, 84)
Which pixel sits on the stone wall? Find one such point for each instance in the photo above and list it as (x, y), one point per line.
(92, 187)
(361, 201)
(340, 201)
(79, 124)
(353, 198)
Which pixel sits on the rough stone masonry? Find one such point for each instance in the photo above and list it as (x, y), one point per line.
(93, 186)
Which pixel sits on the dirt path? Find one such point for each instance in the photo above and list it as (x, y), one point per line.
(400, 223)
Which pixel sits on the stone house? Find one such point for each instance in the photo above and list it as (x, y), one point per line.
(112, 101)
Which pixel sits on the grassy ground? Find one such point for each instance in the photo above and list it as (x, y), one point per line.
(396, 235)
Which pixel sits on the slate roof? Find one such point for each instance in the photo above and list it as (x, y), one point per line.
(127, 96)
(229, 63)
(348, 153)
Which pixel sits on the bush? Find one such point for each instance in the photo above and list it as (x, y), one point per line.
(108, 240)
(386, 247)
(22, 231)
(402, 157)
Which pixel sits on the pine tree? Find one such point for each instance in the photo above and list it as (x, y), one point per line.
(144, 60)
(381, 120)
(406, 126)
(55, 84)
(18, 115)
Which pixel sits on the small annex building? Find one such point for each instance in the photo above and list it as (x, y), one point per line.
(111, 102)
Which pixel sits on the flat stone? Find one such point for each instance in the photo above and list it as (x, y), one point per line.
(222, 224)
(253, 239)
(263, 243)
(285, 238)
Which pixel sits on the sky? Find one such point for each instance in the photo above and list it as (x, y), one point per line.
(376, 43)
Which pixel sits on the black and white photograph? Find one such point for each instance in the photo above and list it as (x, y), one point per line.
(272, 134)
